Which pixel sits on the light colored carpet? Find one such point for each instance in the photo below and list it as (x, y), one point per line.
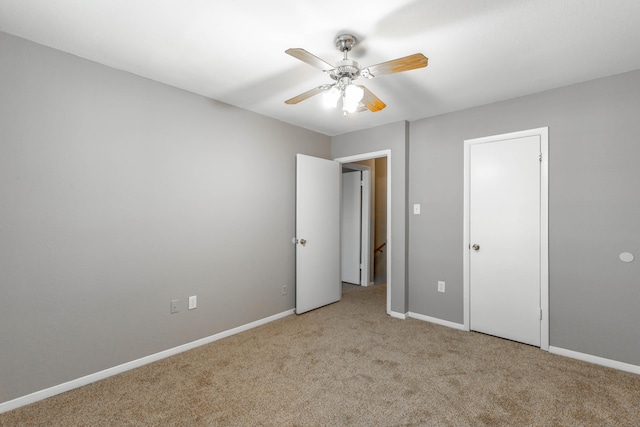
(349, 364)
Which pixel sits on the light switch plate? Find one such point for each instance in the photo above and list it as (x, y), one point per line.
(416, 209)
(193, 302)
(440, 286)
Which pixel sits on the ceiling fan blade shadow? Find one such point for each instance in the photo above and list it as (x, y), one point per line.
(372, 102)
(399, 65)
(309, 58)
(306, 95)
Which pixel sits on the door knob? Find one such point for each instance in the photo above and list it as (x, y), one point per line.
(303, 242)
(476, 247)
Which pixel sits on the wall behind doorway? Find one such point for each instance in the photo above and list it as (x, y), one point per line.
(380, 232)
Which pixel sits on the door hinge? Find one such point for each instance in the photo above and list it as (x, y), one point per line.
(540, 157)
(361, 183)
(540, 314)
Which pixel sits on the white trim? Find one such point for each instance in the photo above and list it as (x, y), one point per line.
(437, 321)
(544, 227)
(544, 238)
(91, 378)
(397, 315)
(465, 241)
(369, 156)
(627, 367)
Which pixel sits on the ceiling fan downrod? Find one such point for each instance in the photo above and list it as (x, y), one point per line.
(346, 67)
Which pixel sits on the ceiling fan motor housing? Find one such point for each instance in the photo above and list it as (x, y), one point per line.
(345, 68)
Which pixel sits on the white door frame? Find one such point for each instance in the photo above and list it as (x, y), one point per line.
(369, 156)
(544, 226)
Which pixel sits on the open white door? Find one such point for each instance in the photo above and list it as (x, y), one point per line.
(351, 226)
(317, 232)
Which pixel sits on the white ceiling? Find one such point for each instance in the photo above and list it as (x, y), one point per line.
(480, 51)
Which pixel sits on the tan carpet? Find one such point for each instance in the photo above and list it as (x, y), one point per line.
(350, 364)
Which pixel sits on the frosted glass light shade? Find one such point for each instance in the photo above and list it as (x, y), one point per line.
(330, 97)
(352, 96)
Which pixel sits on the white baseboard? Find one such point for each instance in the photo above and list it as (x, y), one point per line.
(91, 378)
(437, 321)
(627, 367)
(397, 315)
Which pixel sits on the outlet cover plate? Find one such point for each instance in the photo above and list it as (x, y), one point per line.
(193, 302)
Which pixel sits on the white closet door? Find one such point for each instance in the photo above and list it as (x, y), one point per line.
(505, 239)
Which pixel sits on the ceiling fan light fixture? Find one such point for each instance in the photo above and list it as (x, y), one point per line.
(354, 93)
(331, 96)
(352, 96)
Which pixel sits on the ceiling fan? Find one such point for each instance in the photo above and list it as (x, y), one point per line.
(355, 98)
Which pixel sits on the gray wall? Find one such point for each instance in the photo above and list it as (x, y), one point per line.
(393, 136)
(594, 210)
(119, 194)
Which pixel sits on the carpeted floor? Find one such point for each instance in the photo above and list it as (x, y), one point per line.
(349, 364)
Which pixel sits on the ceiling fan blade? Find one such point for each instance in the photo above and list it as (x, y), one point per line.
(406, 63)
(308, 94)
(309, 58)
(372, 102)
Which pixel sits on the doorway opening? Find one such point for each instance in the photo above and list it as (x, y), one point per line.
(356, 231)
(379, 241)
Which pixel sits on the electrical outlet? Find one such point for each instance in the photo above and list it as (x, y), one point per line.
(193, 302)
(284, 289)
(440, 286)
(174, 306)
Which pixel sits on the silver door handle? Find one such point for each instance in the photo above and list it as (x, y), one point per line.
(475, 247)
(303, 242)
